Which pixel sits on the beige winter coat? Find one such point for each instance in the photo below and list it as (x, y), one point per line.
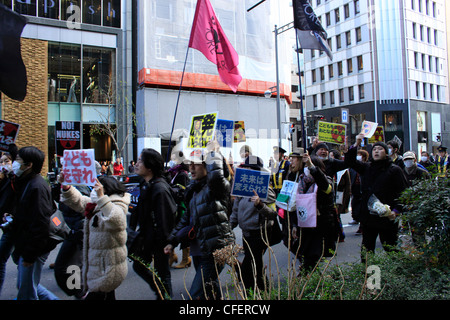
(104, 247)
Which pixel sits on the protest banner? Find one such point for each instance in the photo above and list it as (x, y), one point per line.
(239, 131)
(8, 134)
(368, 128)
(224, 133)
(202, 130)
(378, 135)
(286, 197)
(67, 136)
(79, 167)
(332, 132)
(247, 180)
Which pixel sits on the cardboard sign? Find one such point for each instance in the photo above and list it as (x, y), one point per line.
(224, 133)
(368, 128)
(8, 134)
(247, 180)
(203, 127)
(239, 131)
(332, 132)
(378, 135)
(79, 167)
(67, 136)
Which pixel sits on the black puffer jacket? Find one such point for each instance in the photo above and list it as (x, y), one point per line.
(208, 209)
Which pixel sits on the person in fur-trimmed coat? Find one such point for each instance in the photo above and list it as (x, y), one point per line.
(104, 244)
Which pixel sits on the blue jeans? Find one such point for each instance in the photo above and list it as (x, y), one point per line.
(28, 281)
(205, 284)
(6, 247)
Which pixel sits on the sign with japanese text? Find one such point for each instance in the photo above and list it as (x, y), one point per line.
(202, 130)
(286, 197)
(332, 132)
(247, 180)
(67, 136)
(79, 167)
(224, 133)
(8, 134)
(378, 135)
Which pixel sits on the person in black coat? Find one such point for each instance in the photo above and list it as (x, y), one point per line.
(206, 223)
(156, 210)
(383, 181)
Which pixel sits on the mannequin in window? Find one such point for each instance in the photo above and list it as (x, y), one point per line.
(72, 97)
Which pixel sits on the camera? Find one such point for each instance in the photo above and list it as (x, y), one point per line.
(7, 225)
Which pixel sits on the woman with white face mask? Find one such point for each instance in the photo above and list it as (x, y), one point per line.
(105, 235)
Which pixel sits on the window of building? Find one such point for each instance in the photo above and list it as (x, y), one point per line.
(425, 91)
(423, 61)
(330, 71)
(421, 33)
(64, 73)
(437, 64)
(111, 13)
(99, 75)
(412, 4)
(429, 35)
(338, 42)
(341, 96)
(323, 98)
(431, 91)
(438, 93)
(322, 73)
(332, 98)
(25, 7)
(392, 121)
(360, 62)
(430, 63)
(358, 34)
(414, 27)
(348, 38)
(420, 5)
(7, 3)
(337, 16)
(349, 66)
(346, 11)
(416, 60)
(361, 92)
(92, 12)
(434, 9)
(163, 10)
(48, 9)
(328, 18)
(315, 101)
(340, 70)
(313, 75)
(427, 7)
(417, 89)
(351, 94)
(70, 8)
(435, 37)
(356, 3)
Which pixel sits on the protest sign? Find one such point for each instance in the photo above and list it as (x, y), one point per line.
(247, 180)
(378, 135)
(286, 198)
(368, 128)
(332, 132)
(79, 167)
(239, 131)
(224, 132)
(8, 134)
(202, 130)
(67, 136)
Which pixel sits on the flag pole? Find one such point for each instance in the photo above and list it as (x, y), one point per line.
(176, 108)
(301, 95)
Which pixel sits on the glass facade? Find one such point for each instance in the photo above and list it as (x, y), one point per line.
(98, 12)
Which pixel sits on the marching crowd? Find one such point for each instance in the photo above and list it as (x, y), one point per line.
(190, 205)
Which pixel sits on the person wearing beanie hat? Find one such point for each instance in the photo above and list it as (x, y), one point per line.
(382, 182)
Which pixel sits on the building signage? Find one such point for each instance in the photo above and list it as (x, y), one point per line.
(67, 136)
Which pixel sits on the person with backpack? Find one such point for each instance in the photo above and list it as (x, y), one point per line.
(156, 211)
(206, 223)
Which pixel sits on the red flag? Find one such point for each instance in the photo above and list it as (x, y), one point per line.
(208, 37)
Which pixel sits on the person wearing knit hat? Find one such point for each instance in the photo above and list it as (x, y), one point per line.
(382, 183)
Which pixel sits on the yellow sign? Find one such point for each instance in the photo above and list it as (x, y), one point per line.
(378, 135)
(202, 130)
(332, 132)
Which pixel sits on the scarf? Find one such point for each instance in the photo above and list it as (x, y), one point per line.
(89, 210)
(306, 184)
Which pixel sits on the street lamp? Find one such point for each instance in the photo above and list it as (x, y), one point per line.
(268, 93)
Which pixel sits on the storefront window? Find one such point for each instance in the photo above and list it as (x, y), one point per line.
(27, 7)
(92, 11)
(111, 13)
(64, 72)
(99, 75)
(392, 121)
(7, 3)
(49, 9)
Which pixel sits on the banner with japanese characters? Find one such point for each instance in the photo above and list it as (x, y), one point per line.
(8, 134)
(332, 132)
(79, 167)
(202, 130)
(246, 181)
(224, 133)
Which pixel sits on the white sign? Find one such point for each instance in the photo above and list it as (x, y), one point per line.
(344, 115)
(79, 167)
